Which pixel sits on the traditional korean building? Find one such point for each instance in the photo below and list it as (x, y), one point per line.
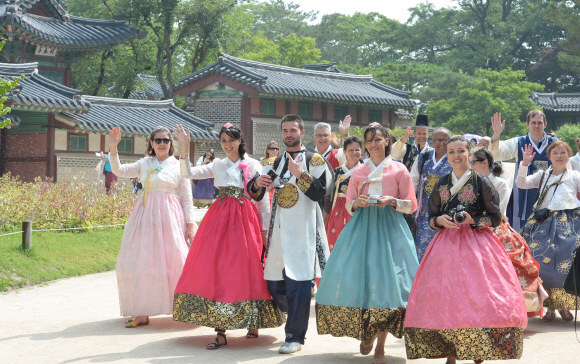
(55, 130)
(255, 95)
(560, 109)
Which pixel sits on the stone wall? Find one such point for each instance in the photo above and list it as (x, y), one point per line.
(219, 111)
(71, 165)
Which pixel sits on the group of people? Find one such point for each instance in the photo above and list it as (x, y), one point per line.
(421, 243)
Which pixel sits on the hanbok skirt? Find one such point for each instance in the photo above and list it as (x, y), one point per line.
(527, 269)
(552, 242)
(337, 220)
(152, 256)
(368, 277)
(424, 234)
(203, 193)
(222, 285)
(466, 300)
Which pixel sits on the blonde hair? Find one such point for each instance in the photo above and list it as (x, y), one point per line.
(266, 155)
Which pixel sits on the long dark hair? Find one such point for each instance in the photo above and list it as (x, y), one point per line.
(494, 166)
(384, 132)
(210, 151)
(236, 134)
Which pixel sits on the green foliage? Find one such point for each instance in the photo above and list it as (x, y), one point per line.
(569, 133)
(291, 50)
(479, 98)
(56, 255)
(566, 14)
(276, 18)
(5, 87)
(64, 204)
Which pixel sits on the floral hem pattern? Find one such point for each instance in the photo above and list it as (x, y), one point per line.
(465, 344)
(559, 299)
(202, 202)
(250, 315)
(359, 323)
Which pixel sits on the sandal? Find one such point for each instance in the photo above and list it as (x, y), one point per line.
(566, 315)
(129, 324)
(549, 315)
(478, 361)
(366, 349)
(216, 345)
(251, 335)
(450, 362)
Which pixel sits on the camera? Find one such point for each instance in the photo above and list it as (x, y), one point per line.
(459, 213)
(541, 214)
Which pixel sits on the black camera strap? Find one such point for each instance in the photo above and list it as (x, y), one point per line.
(547, 188)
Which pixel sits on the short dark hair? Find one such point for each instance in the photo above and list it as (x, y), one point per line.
(494, 166)
(352, 139)
(295, 118)
(384, 132)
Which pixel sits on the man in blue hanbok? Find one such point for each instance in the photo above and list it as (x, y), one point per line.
(522, 201)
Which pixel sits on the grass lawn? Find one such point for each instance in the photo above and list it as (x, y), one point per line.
(57, 255)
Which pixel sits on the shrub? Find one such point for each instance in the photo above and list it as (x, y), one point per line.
(81, 202)
(569, 133)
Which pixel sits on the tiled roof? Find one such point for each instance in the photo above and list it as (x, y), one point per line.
(14, 120)
(276, 80)
(557, 102)
(404, 114)
(39, 93)
(64, 31)
(327, 67)
(139, 117)
(153, 89)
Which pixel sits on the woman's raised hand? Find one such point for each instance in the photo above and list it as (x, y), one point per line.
(115, 136)
(528, 154)
(182, 136)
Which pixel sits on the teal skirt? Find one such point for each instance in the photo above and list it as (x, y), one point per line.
(367, 280)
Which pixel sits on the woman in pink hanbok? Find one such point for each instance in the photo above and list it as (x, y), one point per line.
(154, 246)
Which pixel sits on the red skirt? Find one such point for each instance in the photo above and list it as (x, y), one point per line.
(222, 284)
(527, 269)
(337, 220)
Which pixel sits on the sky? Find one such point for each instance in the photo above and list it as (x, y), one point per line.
(394, 9)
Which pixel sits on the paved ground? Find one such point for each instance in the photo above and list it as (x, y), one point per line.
(76, 321)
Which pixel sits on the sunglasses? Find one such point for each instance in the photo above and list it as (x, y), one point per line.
(273, 148)
(164, 141)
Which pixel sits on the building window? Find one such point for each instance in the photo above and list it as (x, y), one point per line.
(375, 117)
(267, 107)
(55, 76)
(78, 142)
(340, 113)
(125, 146)
(304, 110)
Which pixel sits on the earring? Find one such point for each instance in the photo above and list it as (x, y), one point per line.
(151, 151)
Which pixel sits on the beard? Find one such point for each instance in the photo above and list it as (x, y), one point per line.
(292, 144)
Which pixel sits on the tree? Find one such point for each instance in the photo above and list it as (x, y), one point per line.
(111, 72)
(479, 98)
(566, 14)
(277, 18)
(550, 72)
(194, 24)
(291, 50)
(5, 87)
(569, 133)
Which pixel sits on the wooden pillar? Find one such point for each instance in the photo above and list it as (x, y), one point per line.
(50, 155)
(247, 124)
(191, 150)
(324, 112)
(68, 76)
(287, 107)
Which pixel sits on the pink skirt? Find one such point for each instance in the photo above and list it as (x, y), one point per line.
(152, 255)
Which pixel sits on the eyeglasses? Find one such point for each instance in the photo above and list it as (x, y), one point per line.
(273, 148)
(440, 141)
(164, 141)
(322, 136)
(473, 161)
(354, 151)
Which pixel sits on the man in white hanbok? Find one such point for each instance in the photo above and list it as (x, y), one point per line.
(297, 246)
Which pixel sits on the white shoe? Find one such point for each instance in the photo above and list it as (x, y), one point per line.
(289, 348)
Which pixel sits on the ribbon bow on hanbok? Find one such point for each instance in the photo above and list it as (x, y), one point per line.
(151, 171)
